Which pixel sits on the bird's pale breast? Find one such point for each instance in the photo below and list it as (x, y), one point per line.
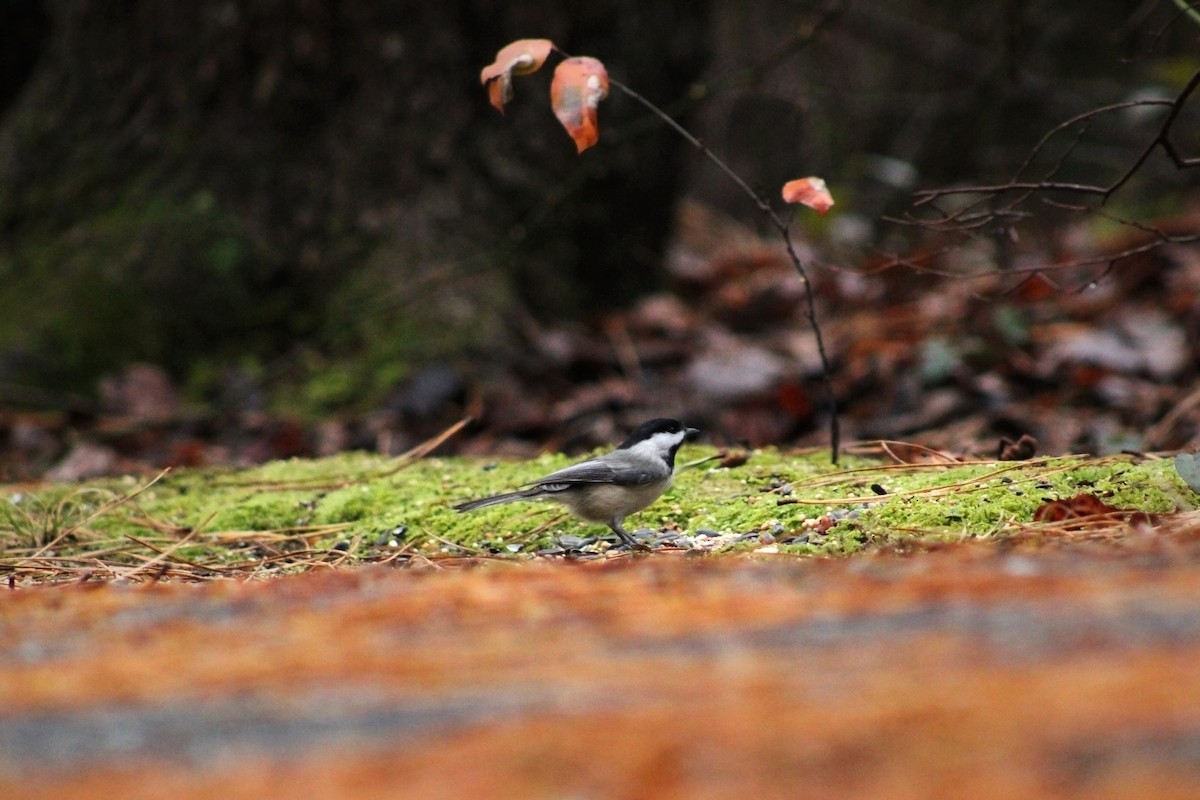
(601, 502)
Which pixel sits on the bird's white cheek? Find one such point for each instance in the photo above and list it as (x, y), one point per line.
(657, 446)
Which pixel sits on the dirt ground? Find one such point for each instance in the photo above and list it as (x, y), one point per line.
(1047, 669)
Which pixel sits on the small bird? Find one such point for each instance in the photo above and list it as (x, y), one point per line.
(610, 487)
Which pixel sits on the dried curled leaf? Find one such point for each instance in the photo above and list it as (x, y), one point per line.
(518, 58)
(810, 192)
(579, 85)
(1078, 507)
(1085, 511)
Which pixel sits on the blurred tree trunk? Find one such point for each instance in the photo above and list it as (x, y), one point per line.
(198, 178)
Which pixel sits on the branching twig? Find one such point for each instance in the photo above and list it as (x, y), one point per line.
(979, 207)
(585, 83)
(1162, 138)
(782, 227)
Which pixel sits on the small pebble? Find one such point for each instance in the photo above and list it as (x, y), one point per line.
(390, 537)
(572, 542)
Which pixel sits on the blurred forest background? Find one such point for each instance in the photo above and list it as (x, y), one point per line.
(241, 230)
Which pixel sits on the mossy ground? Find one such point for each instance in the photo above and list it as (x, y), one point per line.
(360, 506)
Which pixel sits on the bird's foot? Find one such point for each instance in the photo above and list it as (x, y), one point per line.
(633, 543)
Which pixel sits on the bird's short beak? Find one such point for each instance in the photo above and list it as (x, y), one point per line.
(691, 433)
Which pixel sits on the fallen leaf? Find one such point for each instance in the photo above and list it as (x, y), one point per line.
(1081, 505)
(1084, 506)
(579, 85)
(734, 457)
(518, 58)
(810, 192)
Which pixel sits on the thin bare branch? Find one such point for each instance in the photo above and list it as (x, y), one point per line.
(784, 231)
(1162, 138)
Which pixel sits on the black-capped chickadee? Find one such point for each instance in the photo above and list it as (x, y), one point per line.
(610, 487)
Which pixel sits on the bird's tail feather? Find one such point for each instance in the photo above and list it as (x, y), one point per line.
(497, 499)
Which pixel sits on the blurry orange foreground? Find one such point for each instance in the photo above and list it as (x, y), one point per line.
(1066, 671)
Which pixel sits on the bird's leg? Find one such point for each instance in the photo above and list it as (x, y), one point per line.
(615, 524)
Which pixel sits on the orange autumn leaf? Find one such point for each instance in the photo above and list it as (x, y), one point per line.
(810, 192)
(518, 58)
(575, 93)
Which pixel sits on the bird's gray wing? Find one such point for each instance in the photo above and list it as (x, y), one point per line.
(596, 472)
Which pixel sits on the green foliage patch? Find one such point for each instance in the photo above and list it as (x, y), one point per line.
(363, 507)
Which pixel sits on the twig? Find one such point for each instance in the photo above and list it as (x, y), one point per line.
(169, 553)
(1162, 138)
(161, 557)
(454, 545)
(1157, 433)
(103, 509)
(886, 446)
(693, 464)
(424, 448)
(782, 227)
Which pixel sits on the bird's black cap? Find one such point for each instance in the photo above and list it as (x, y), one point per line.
(659, 425)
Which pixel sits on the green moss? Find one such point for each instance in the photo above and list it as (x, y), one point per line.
(989, 499)
(357, 498)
